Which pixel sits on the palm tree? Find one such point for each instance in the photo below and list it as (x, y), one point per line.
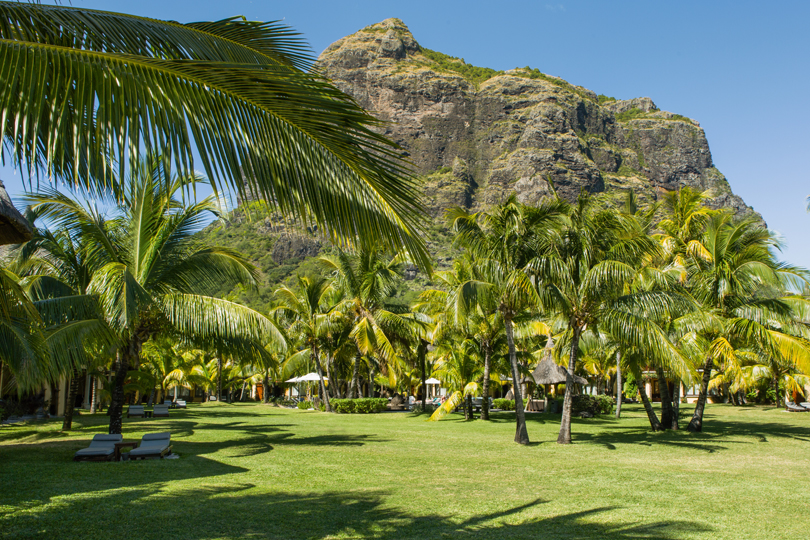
(83, 91)
(312, 319)
(452, 318)
(590, 271)
(728, 271)
(150, 275)
(366, 280)
(501, 243)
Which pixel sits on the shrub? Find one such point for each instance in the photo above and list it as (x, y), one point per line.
(304, 405)
(429, 408)
(592, 404)
(360, 405)
(605, 404)
(504, 404)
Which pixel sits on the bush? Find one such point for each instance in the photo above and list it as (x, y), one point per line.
(592, 404)
(429, 408)
(504, 404)
(360, 405)
(304, 405)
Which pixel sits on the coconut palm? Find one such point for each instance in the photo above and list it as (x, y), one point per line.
(591, 272)
(366, 280)
(150, 275)
(501, 243)
(312, 318)
(83, 91)
(728, 270)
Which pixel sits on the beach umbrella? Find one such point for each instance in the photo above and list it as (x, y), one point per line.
(311, 377)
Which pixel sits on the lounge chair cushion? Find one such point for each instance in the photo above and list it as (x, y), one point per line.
(152, 444)
(135, 410)
(161, 410)
(101, 445)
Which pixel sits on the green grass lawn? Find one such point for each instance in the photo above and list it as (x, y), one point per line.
(255, 471)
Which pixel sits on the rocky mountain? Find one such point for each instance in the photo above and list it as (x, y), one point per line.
(476, 135)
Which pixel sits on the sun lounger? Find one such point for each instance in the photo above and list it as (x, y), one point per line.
(180, 404)
(153, 445)
(102, 448)
(160, 410)
(805, 404)
(792, 407)
(136, 410)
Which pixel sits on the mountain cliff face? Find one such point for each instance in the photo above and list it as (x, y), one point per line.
(477, 135)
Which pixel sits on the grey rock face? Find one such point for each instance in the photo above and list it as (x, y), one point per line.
(475, 141)
(294, 246)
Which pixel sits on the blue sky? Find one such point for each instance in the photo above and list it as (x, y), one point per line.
(739, 68)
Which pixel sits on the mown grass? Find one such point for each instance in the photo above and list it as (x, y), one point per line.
(253, 471)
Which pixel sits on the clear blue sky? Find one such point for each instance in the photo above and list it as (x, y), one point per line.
(739, 68)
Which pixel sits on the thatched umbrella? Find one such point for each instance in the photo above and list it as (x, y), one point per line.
(14, 228)
(548, 372)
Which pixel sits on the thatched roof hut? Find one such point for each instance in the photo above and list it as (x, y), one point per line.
(548, 372)
(14, 228)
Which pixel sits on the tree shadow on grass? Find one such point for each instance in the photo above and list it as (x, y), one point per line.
(239, 511)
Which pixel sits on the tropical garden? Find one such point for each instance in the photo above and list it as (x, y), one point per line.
(109, 277)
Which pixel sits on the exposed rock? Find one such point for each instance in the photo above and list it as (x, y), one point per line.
(478, 138)
(294, 246)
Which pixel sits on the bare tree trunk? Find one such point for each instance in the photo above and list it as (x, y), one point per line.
(696, 424)
(619, 390)
(666, 401)
(565, 424)
(420, 352)
(334, 386)
(67, 423)
(219, 377)
(642, 391)
(354, 382)
(266, 387)
(123, 358)
(485, 385)
(315, 356)
(93, 395)
(521, 435)
(676, 404)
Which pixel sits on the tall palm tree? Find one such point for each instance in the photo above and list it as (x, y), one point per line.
(501, 243)
(366, 281)
(311, 318)
(590, 271)
(83, 91)
(152, 277)
(728, 270)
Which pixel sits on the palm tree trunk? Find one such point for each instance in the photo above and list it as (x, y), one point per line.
(485, 385)
(619, 390)
(266, 387)
(219, 378)
(151, 398)
(642, 391)
(117, 404)
(468, 409)
(67, 423)
(94, 383)
(332, 383)
(371, 380)
(676, 404)
(354, 381)
(775, 385)
(241, 396)
(420, 351)
(696, 424)
(315, 356)
(565, 424)
(666, 401)
(521, 435)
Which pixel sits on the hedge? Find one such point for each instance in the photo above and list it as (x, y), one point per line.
(360, 405)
